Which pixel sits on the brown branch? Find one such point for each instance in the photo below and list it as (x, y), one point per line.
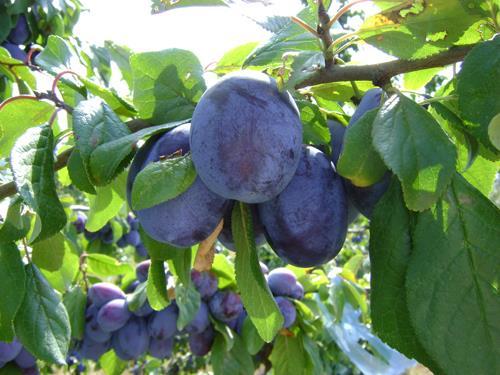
(9, 188)
(380, 74)
(324, 34)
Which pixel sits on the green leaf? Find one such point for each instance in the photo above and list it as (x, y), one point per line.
(111, 156)
(289, 356)
(103, 207)
(417, 79)
(63, 277)
(115, 102)
(157, 286)
(452, 281)
(158, 250)
(12, 279)
(159, 6)
(138, 298)
(21, 74)
(18, 116)
(390, 252)
(42, 323)
(49, 253)
(161, 181)
(32, 162)
(415, 148)
(167, 84)
(234, 58)
(315, 131)
(16, 225)
(359, 161)
(338, 91)
(237, 360)
(75, 301)
(251, 337)
(224, 270)
(188, 300)
(58, 56)
(477, 92)
(494, 131)
(111, 364)
(104, 266)
(417, 29)
(255, 294)
(181, 263)
(78, 174)
(94, 124)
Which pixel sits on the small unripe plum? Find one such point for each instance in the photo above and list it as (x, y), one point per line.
(201, 343)
(113, 315)
(288, 311)
(101, 293)
(225, 306)
(188, 218)
(161, 349)
(306, 224)
(206, 283)
(246, 137)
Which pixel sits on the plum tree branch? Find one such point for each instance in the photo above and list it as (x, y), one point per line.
(9, 188)
(380, 74)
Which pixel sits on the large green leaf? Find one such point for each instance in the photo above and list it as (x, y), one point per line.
(14, 71)
(32, 162)
(16, 225)
(418, 29)
(19, 115)
(94, 124)
(315, 131)
(255, 294)
(359, 161)
(162, 180)
(167, 84)
(390, 251)
(234, 58)
(78, 174)
(49, 253)
(42, 323)
(75, 301)
(58, 56)
(104, 265)
(416, 149)
(452, 281)
(157, 286)
(289, 356)
(478, 93)
(103, 207)
(235, 360)
(12, 279)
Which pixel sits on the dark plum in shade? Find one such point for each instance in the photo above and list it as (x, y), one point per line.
(246, 137)
(201, 343)
(9, 350)
(21, 32)
(365, 198)
(200, 321)
(93, 350)
(163, 324)
(225, 306)
(226, 234)
(288, 311)
(205, 282)
(191, 216)
(161, 349)
(142, 270)
(306, 224)
(25, 359)
(371, 100)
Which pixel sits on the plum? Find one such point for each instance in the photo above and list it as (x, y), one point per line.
(337, 132)
(365, 198)
(188, 218)
(133, 238)
(237, 323)
(205, 282)
(21, 32)
(15, 51)
(161, 349)
(9, 350)
(226, 234)
(163, 324)
(113, 315)
(101, 293)
(91, 236)
(122, 242)
(306, 224)
(80, 222)
(92, 328)
(144, 310)
(200, 321)
(288, 311)
(93, 350)
(119, 350)
(225, 306)
(141, 250)
(281, 281)
(371, 100)
(246, 136)
(264, 268)
(201, 343)
(133, 222)
(132, 338)
(142, 270)
(132, 286)
(25, 359)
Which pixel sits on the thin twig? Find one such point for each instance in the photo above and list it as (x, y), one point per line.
(305, 26)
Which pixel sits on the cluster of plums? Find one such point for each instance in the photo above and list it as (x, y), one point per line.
(14, 352)
(105, 234)
(245, 140)
(17, 36)
(111, 325)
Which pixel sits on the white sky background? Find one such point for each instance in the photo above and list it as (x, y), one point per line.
(209, 32)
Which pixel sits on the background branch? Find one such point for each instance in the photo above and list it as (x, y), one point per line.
(380, 74)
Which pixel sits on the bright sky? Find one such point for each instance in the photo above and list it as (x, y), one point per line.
(207, 31)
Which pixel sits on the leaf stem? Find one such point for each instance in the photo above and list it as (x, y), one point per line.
(438, 99)
(14, 98)
(305, 26)
(58, 77)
